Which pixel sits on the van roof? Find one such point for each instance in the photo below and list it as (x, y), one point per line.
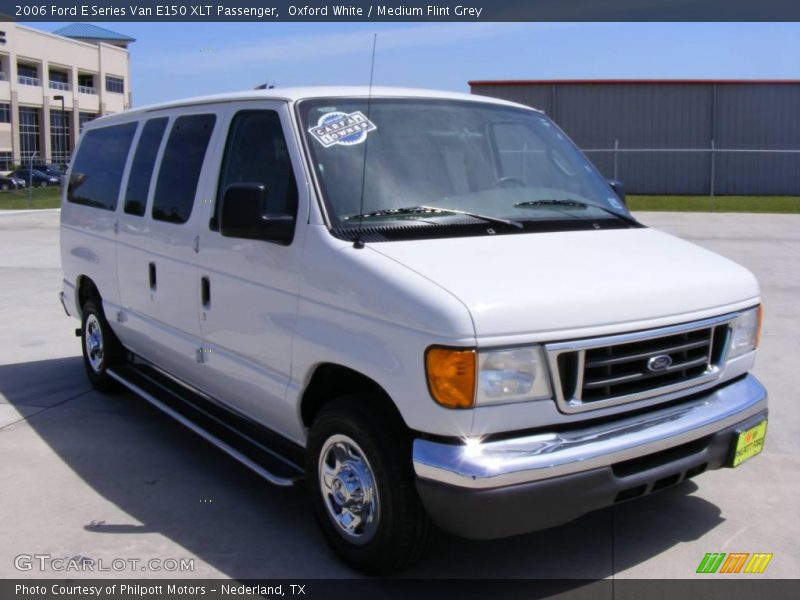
(302, 93)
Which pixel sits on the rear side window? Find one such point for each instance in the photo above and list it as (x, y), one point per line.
(180, 168)
(256, 152)
(142, 169)
(97, 172)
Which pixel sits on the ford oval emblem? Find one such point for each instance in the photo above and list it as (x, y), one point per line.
(659, 363)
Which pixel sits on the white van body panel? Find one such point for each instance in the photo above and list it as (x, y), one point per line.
(164, 323)
(248, 326)
(292, 95)
(88, 249)
(277, 313)
(371, 314)
(610, 360)
(526, 288)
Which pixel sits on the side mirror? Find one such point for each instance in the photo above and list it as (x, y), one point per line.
(243, 215)
(619, 189)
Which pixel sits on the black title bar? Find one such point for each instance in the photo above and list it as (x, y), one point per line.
(400, 10)
(709, 588)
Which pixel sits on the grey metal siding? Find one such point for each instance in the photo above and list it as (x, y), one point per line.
(758, 117)
(678, 116)
(537, 96)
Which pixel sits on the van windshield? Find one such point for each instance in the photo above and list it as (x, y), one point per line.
(431, 161)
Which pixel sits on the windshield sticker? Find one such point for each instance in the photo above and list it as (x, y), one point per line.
(615, 203)
(343, 129)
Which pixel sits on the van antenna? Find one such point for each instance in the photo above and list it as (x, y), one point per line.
(359, 243)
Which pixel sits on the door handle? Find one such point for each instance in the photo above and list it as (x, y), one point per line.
(205, 291)
(152, 271)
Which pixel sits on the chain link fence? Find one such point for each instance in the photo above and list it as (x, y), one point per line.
(696, 170)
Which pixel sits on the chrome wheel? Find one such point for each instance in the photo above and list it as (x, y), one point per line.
(348, 489)
(93, 338)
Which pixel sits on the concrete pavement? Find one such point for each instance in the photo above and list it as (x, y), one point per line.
(105, 477)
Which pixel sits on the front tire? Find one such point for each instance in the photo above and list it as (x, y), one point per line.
(101, 348)
(361, 481)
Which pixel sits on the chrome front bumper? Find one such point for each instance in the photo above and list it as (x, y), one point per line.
(495, 464)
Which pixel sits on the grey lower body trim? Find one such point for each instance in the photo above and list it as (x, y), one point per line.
(516, 509)
(486, 465)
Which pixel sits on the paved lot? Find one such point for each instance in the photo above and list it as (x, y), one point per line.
(82, 474)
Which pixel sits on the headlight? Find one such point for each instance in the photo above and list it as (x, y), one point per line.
(503, 376)
(512, 375)
(745, 332)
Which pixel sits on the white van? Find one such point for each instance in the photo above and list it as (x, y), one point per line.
(430, 306)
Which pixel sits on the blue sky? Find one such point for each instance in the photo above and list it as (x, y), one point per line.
(175, 60)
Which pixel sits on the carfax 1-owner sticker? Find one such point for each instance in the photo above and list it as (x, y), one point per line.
(344, 129)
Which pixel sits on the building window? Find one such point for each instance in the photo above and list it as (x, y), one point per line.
(29, 134)
(115, 84)
(86, 84)
(59, 80)
(5, 113)
(28, 75)
(84, 118)
(59, 137)
(6, 161)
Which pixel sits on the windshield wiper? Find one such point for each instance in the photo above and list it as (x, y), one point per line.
(422, 210)
(553, 202)
(574, 204)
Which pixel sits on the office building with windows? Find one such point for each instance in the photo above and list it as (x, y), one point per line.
(51, 84)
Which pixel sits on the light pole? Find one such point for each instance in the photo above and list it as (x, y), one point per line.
(63, 132)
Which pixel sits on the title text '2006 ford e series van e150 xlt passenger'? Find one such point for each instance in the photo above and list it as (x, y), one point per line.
(430, 306)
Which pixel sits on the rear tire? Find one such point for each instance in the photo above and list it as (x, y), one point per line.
(101, 348)
(361, 481)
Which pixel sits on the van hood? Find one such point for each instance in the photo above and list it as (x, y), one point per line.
(548, 282)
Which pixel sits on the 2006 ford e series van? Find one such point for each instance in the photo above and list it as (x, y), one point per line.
(429, 306)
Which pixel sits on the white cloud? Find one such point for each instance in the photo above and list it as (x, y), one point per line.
(299, 48)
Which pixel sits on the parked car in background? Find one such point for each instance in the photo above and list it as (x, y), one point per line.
(7, 182)
(51, 169)
(35, 178)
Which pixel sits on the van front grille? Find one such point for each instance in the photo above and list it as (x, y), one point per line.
(595, 373)
(623, 369)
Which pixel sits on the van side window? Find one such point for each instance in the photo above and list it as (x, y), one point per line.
(142, 169)
(256, 152)
(180, 167)
(97, 172)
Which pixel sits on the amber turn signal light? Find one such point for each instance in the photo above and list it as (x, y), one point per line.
(451, 376)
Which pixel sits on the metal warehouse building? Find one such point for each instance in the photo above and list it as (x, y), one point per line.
(676, 137)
